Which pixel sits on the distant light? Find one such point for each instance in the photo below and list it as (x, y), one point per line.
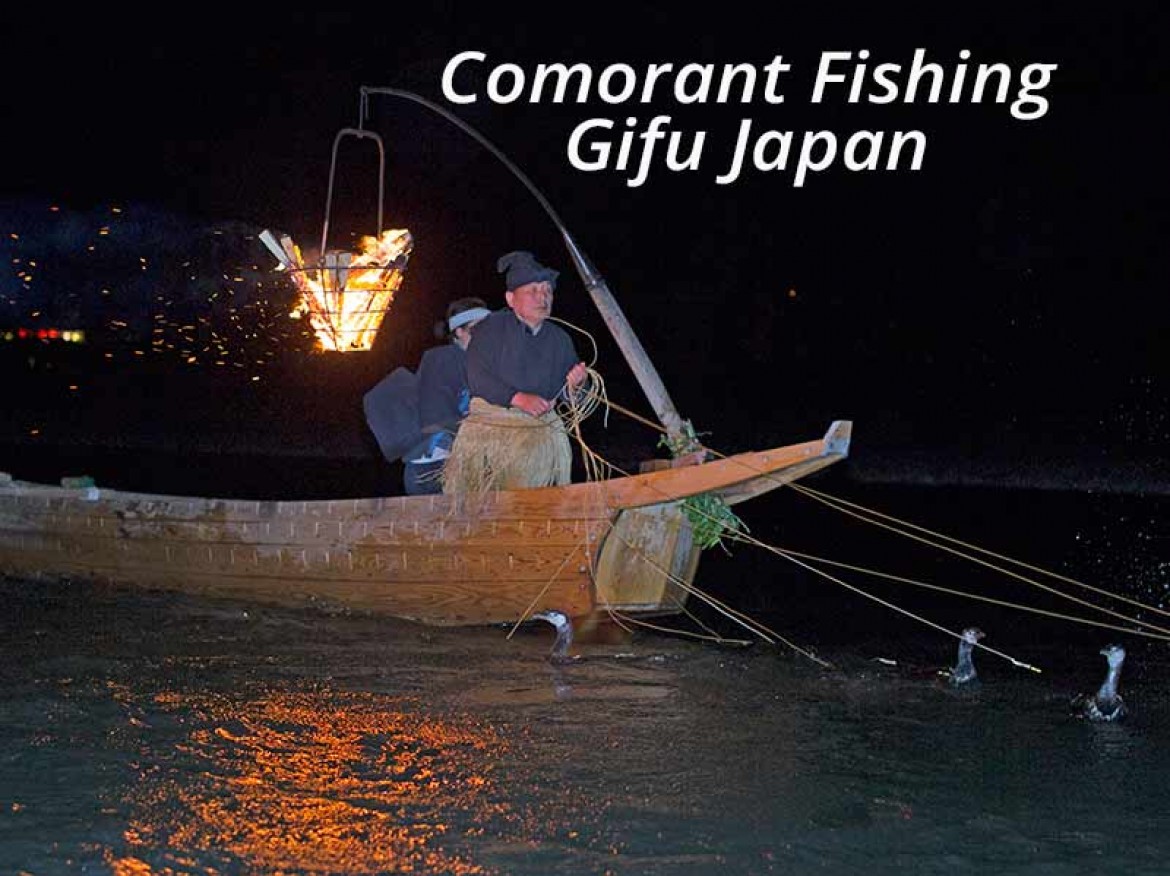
(70, 336)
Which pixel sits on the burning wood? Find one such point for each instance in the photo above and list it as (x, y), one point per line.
(347, 294)
(269, 240)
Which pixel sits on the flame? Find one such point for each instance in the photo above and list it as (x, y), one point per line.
(346, 295)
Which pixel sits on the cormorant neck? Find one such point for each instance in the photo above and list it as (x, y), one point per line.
(1108, 689)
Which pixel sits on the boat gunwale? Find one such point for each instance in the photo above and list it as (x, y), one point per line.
(625, 491)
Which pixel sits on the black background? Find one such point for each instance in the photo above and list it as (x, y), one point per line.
(995, 316)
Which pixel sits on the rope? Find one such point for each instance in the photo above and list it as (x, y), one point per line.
(621, 620)
(952, 592)
(791, 556)
(592, 340)
(596, 466)
(1028, 566)
(584, 404)
(829, 501)
(880, 601)
(535, 599)
(748, 623)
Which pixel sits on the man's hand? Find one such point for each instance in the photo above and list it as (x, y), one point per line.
(531, 404)
(576, 375)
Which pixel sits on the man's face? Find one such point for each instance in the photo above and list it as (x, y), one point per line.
(532, 302)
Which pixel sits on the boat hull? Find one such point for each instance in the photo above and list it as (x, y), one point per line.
(621, 546)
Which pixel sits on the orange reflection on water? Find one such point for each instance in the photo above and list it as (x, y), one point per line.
(312, 782)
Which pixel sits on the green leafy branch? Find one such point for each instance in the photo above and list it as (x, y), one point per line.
(710, 516)
(711, 519)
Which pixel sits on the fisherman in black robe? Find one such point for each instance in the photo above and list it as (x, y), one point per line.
(518, 365)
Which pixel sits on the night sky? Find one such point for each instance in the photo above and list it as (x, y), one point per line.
(996, 314)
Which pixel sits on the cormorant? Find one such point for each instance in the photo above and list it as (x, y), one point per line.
(1106, 704)
(964, 670)
(564, 627)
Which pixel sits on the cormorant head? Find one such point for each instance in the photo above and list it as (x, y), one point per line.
(1115, 654)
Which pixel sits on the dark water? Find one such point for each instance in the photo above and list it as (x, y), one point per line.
(147, 733)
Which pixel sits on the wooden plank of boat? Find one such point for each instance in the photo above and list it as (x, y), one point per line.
(615, 545)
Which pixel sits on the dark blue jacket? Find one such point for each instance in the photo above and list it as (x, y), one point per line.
(442, 388)
(505, 358)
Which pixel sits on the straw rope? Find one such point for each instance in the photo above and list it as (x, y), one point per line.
(506, 449)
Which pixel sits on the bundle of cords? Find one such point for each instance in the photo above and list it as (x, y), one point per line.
(574, 408)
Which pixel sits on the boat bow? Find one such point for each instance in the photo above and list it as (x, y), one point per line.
(733, 478)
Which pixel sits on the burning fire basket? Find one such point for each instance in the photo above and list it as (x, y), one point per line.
(346, 294)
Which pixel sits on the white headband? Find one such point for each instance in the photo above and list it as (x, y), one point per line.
(466, 316)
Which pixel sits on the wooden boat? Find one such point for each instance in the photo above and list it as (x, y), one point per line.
(622, 546)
